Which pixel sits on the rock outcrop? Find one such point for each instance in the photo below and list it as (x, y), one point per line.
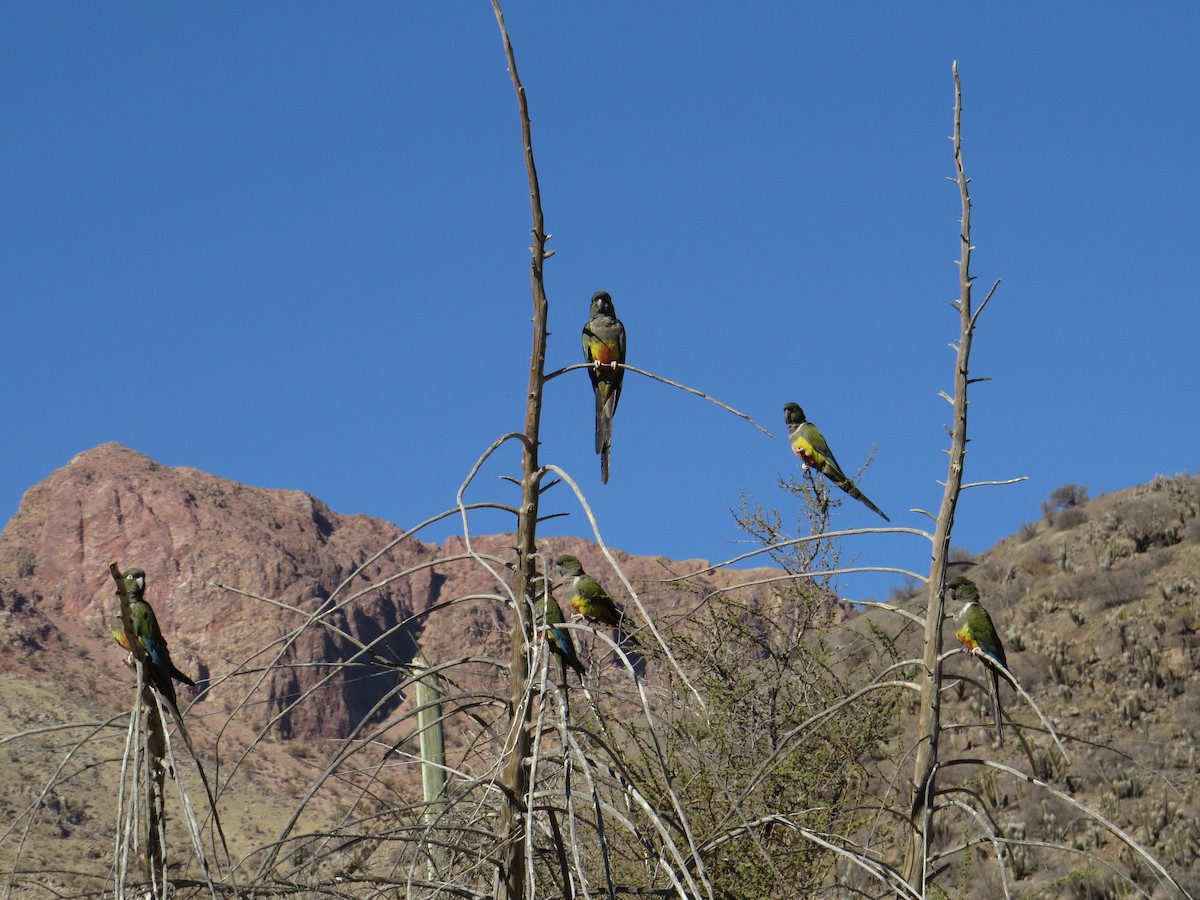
(236, 573)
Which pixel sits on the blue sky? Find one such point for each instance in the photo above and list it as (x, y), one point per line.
(287, 244)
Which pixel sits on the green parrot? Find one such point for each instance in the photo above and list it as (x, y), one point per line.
(604, 349)
(118, 632)
(161, 670)
(978, 635)
(557, 637)
(810, 446)
(588, 598)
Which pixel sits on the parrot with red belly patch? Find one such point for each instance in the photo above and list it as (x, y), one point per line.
(604, 349)
(809, 444)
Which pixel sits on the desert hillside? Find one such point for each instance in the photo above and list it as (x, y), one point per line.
(238, 576)
(301, 626)
(1098, 605)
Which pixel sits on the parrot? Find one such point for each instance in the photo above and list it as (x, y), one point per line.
(978, 635)
(604, 349)
(556, 636)
(588, 598)
(161, 670)
(810, 446)
(118, 632)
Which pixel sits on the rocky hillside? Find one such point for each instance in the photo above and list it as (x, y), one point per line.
(1098, 604)
(191, 531)
(235, 575)
(231, 568)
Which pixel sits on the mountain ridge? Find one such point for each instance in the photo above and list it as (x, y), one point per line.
(210, 546)
(1098, 604)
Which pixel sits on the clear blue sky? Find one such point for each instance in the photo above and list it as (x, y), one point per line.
(287, 244)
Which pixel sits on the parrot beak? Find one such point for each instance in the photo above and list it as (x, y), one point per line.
(140, 581)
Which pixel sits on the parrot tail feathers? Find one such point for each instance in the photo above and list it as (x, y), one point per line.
(851, 489)
(603, 434)
(573, 662)
(603, 425)
(565, 648)
(1009, 678)
(996, 708)
(875, 508)
(166, 689)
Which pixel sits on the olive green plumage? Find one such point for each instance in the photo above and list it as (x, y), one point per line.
(977, 633)
(557, 637)
(588, 598)
(810, 445)
(161, 670)
(604, 349)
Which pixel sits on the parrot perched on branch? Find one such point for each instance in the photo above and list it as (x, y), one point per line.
(604, 349)
(978, 635)
(589, 599)
(809, 444)
(160, 670)
(557, 637)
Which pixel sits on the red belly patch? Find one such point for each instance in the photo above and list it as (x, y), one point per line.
(603, 353)
(806, 455)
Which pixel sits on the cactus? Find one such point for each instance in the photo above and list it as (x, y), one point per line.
(433, 760)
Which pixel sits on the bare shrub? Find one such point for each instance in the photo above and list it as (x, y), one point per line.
(1068, 496)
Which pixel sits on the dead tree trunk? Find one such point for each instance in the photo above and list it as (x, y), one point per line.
(515, 767)
(929, 729)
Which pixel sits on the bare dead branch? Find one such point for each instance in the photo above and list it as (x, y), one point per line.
(975, 484)
(929, 726)
(676, 384)
(1163, 876)
(794, 542)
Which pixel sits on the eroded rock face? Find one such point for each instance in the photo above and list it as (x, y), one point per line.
(235, 573)
(191, 532)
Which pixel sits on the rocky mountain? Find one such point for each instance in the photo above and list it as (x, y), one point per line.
(299, 623)
(233, 573)
(1098, 605)
(191, 531)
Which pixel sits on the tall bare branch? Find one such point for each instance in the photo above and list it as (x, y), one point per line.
(515, 772)
(929, 727)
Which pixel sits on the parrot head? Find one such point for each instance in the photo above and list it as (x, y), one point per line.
(135, 583)
(793, 414)
(602, 305)
(963, 589)
(569, 566)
